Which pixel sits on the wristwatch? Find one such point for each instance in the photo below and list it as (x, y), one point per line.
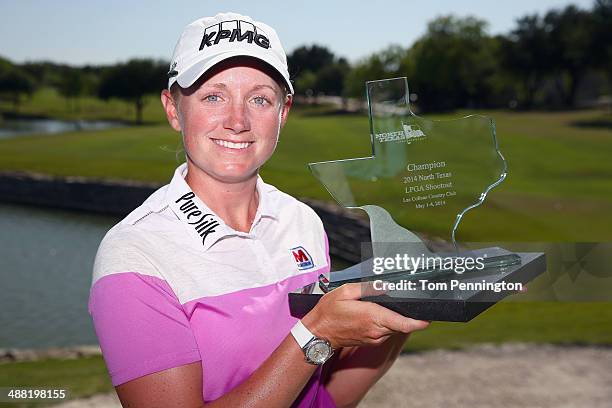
(317, 351)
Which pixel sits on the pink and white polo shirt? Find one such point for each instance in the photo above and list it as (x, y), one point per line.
(173, 284)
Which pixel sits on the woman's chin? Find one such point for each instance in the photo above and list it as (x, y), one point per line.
(235, 175)
(228, 173)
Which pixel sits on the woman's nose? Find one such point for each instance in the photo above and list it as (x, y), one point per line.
(237, 118)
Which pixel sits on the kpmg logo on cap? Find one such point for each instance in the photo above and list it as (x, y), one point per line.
(302, 258)
(231, 31)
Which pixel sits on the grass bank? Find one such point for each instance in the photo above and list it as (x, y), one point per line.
(81, 377)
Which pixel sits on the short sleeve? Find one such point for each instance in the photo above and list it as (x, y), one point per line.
(313, 225)
(141, 325)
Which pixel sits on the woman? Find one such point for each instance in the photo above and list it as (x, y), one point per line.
(189, 296)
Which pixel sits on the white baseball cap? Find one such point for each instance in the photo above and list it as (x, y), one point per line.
(210, 40)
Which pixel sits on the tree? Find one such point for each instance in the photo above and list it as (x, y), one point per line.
(5, 65)
(132, 80)
(452, 64)
(15, 83)
(306, 83)
(309, 58)
(601, 42)
(570, 35)
(71, 86)
(317, 70)
(384, 64)
(366, 70)
(525, 55)
(330, 78)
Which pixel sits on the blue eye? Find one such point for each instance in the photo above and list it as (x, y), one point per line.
(212, 98)
(260, 100)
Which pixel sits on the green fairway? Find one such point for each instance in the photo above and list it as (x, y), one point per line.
(535, 322)
(79, 377)
(558, 187)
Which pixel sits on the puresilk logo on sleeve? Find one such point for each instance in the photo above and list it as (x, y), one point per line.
(234, 30)
(203, 223)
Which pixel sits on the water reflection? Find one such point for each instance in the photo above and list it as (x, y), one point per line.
(45, 273)
(18, 127)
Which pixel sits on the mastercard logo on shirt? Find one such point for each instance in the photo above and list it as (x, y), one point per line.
(302, 258)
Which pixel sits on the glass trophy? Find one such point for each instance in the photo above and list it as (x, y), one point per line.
(430, 175)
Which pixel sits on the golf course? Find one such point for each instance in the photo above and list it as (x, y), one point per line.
(558, 190)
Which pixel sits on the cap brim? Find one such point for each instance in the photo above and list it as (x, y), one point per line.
(190, 75)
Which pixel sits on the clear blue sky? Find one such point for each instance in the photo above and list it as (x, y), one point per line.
(101, 32)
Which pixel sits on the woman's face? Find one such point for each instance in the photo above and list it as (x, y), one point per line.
(231, 121)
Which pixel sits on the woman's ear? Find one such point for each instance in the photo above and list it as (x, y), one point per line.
(171, 109)
(285, 110)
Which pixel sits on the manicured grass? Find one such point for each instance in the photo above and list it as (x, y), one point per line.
(81, 377)
(534, 322)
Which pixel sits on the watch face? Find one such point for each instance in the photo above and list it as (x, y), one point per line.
(319, 352)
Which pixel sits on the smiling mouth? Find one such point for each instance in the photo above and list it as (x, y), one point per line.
(232, 145)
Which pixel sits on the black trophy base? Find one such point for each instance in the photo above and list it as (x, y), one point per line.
(445, 305)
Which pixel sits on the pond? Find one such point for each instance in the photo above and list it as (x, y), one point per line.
(47, 259)
(10, 128)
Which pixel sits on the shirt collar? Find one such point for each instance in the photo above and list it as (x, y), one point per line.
(267, 205)
(200, 221)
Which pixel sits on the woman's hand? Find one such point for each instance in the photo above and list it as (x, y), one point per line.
(342, 319)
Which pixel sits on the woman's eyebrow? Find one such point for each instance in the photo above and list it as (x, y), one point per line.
(258, 87)
(221, 85)
(217, 85)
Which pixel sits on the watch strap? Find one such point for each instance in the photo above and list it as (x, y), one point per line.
(301, 334)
